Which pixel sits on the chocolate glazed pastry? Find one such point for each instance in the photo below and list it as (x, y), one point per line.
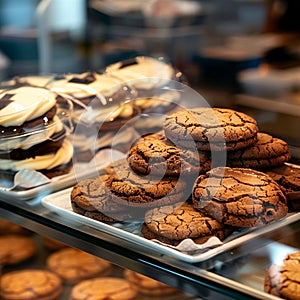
(267, 152)
(239, 197)
(174, 223)
(288, 177)
(213, 129)
(283, 280)
(155, 154)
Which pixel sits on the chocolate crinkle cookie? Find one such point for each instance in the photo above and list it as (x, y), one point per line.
(283, 280)
(288, 177)
(174, 223)
(239, 197)
(215, 129)
(268, 151)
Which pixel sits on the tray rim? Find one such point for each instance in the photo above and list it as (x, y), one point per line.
(63, 195)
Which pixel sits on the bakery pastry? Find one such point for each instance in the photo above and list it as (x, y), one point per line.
(143, 73)
(147, 286)
(31, 284)
(213, 129)
(18, 81)
(102, 108)
(267, 152)
(239, 197)
(102, 289)
(174, 223)
(157, 85)
(155, 154)
(282, 280)
(15, 249)
(32, 135)
(122, 194)
(288, 177)
(73, 265)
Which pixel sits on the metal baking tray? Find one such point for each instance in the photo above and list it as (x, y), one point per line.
(60, 203)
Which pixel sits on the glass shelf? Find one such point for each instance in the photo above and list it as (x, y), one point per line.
(235, 274)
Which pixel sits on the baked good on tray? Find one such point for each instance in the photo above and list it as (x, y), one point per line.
(268, 151)
(155, 154)
(288, 177)
(174, 223)
(124, 195)
(213, 129)
(30, 284)
(32, 134)
(239, 197)
(282, 280)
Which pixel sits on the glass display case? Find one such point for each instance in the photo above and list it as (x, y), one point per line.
(234, 273)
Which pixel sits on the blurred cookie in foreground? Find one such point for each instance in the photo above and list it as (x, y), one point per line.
(288, 177)
(103, 288)
(267, 152)
(31, 284)
(73, 265)
(148, 286)
(15, 249)
(52, 244)
(283, 280)
(8, 227)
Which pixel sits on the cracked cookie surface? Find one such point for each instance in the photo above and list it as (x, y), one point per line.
(283, 280)
(174, 223)
(211, 129)
(155, 154)
(288, 177)
(268, 151)
(239, 197)
(122, 194)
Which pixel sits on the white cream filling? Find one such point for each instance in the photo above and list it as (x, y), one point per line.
(103, 85)
(48, 161)
(146, 74)
(104, 114)
(27, 103)
(26, 141)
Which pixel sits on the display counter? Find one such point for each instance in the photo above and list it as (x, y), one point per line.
(237, 273)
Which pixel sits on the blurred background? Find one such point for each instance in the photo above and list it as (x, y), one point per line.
(237, 53)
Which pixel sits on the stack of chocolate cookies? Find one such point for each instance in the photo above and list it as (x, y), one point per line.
(214, 160)
(32, 133)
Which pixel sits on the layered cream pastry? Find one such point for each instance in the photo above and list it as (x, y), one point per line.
(143, 73)
(35, 81)
(31, 133)
(156, 83)
(102, 105)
